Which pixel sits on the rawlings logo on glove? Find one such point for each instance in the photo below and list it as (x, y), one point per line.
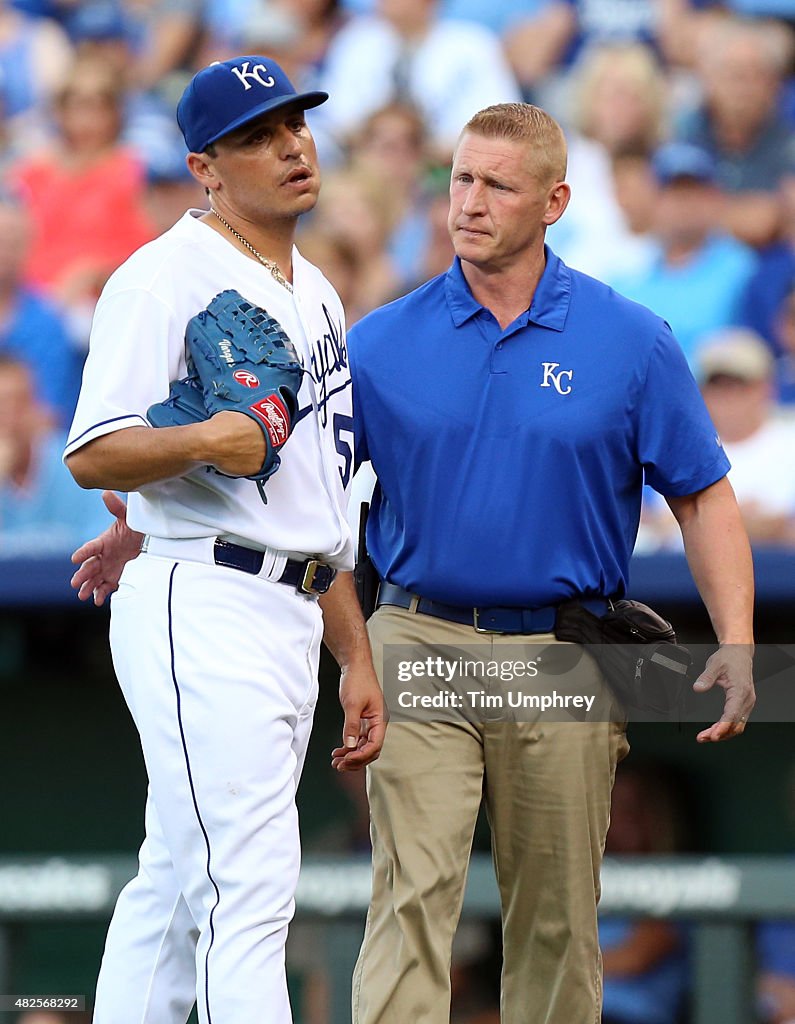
(244, 377)
(240, 360)
(275, 417)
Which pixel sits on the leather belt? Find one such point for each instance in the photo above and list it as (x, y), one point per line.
(484, 620)
(308, 576)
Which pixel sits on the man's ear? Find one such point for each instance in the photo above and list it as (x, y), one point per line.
(201, 167)
(559, 196)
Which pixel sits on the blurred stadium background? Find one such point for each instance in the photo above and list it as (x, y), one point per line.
(680, 116)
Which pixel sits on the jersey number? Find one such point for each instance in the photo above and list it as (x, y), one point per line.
(344, 425)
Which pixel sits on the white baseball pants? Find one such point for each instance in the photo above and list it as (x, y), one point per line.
(219, 670)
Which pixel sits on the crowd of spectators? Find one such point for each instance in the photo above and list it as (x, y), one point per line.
(680, 116)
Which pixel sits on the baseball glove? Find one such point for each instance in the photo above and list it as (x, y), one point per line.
(240, 360)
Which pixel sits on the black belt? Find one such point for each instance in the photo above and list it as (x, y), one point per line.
(308, 577)
(485, 620)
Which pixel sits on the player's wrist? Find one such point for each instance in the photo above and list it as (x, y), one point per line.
(213, 438)
(740, 641)
(199, 441)
(352, 664)
(230, 441)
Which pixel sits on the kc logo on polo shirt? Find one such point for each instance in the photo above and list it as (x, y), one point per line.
(553, 380)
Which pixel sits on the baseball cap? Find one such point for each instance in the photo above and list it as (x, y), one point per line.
(682, 160)
(735, 352)
(98, 20)
(230, 93)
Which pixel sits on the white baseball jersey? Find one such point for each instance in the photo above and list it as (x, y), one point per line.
(218, 666)
(137, 348)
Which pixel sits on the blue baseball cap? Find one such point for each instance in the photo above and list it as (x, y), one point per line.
(230, 93)
(98, 20)
(683, 160)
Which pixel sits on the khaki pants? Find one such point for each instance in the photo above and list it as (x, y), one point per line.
(547, 790)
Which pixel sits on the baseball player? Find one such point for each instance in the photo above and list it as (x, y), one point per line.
(216, 626)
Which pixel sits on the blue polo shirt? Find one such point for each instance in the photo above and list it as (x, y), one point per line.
(510, 462)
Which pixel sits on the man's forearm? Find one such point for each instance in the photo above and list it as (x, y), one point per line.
(345, 632)
(128, 459)
(719, 556)
(345, 635)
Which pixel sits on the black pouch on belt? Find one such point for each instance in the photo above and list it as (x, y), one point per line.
(365, 577)
(637, 652)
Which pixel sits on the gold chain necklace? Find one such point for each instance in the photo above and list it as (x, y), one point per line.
(269, 264)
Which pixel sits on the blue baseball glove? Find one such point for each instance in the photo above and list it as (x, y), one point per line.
(240, 360)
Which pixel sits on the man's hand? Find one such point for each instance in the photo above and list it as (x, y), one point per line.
(104, 557)
(730, 667)
(232, 442)
(365, 721)
(719, 556)
(345, 635)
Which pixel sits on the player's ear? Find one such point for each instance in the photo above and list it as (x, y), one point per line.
(201, 167)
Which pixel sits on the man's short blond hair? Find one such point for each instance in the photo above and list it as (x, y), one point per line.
(523, 122)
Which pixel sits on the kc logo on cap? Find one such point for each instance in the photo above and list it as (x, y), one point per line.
(256, 72)
(214, 104)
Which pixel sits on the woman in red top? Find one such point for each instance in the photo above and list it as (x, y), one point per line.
(84, 192)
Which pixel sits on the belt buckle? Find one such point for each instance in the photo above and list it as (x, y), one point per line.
(479, 628)
(307, 584)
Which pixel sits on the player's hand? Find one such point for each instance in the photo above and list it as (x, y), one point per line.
(365, 719)
(232, 443)
(731, 668)
(104, 557)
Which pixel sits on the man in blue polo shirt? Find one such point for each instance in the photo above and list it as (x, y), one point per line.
(511, 408)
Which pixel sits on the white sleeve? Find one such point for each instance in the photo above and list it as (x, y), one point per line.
(134, 353)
